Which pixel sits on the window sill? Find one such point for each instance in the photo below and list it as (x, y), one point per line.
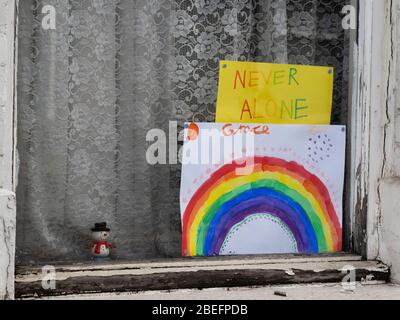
(124, 276)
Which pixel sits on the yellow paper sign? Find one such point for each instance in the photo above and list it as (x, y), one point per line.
(253, 92)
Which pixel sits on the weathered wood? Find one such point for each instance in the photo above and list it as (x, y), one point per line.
(7, 150)
(388, 183)
(377, 134)
(193, 262)
(361, 127)
(350, 163)
(184, 280)
(157, 277)
(7, 244)
(370, 113)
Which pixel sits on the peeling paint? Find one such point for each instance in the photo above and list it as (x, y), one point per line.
(7, 245)
(288, 267)
(176, 277)
(7, 197)
(290, 272)
(378, 180)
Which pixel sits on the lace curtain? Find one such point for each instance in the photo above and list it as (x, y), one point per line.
(89, 91)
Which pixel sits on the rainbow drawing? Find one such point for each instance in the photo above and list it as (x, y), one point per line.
(276, 187)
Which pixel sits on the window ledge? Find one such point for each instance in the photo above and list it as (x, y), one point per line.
(122, 276)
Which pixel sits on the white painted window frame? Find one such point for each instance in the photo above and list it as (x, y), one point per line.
(7, 147)
(369, 123)
(365, 169)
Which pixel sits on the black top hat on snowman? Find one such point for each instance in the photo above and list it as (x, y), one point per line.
(101, 226)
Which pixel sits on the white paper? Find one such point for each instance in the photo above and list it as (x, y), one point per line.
(283, 213)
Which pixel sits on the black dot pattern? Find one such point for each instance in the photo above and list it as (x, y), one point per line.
(319, 148)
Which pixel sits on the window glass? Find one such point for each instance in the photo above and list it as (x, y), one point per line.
(91, 89)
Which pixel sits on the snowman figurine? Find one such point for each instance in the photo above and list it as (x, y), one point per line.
(101, 247)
